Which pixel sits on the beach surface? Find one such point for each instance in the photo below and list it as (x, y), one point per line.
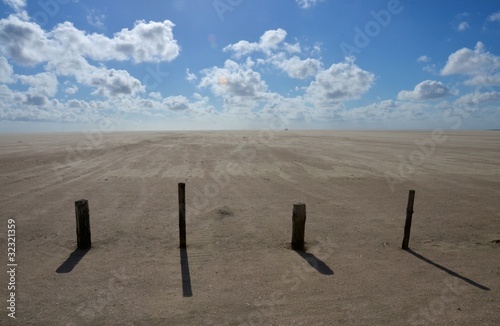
(238, 268)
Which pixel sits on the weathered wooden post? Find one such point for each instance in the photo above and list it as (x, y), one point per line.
(182, 215)
(299, 224)
(82, 224)
(409, 213)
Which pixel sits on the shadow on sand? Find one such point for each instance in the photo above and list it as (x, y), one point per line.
(315, 262)
(186, 277)
(73, 259)
(452, 273)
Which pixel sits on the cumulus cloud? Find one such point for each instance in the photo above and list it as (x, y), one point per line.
(373, 111)
(301, 69)
(475, 99)
(471, 62)
(423, 58)
(6, 71)
(176, 103)
(306, 4)
(388, 113)
(43, 84)
(494, 17)
(18, 7)
(285, 108)
(65, 50)
(23, 42)
(233, 81)
(95, 18)
(146, 42)
(342, 81)
(481, 65)
(26, 43)
(484, 80)
(463, 26)
(426, 90)
(106, 82)
(268, 41)
(71, 89)
(15, 4)
(190, 77)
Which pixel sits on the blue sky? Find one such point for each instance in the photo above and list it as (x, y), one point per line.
(68, 65)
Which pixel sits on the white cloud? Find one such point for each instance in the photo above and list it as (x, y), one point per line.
(301, 69)
(293, 48)
(426, 90)
(176, 103)
(71, 89)
(42, 84)
(15, 4)
(234, 81)
(484, 80)
(24, 42)
(475, 99)
(190, 77)
(431, 68)
(106, 82)
(471, 62)
(95, 18)
(18, 7)
(268, 41)
(389, 114)
(423, 58)
(285, 108)
(463, 26)
(478, 63)
(151, 42)
(306, 4)
(27, 44)
(65, 50)
(6, 71)
(342, 81)
(376, 110)
(146, 42)
(494, 17)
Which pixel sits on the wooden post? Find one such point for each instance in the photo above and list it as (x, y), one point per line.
(182, 215)
(409, 213)
(299, 224)
(82, 224)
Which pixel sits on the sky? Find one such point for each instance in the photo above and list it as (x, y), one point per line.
(74, 65)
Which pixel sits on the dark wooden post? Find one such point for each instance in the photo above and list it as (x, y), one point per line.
(82, 224)
(409, 213)
(299, 224)
(182, 215)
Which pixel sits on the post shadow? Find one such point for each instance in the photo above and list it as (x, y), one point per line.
(315, 262)
(186, 277)
(452, 273)
(73, 259)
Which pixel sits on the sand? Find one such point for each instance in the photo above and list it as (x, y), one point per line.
(240, 190)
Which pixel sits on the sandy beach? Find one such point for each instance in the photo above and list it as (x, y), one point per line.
(240, 190)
